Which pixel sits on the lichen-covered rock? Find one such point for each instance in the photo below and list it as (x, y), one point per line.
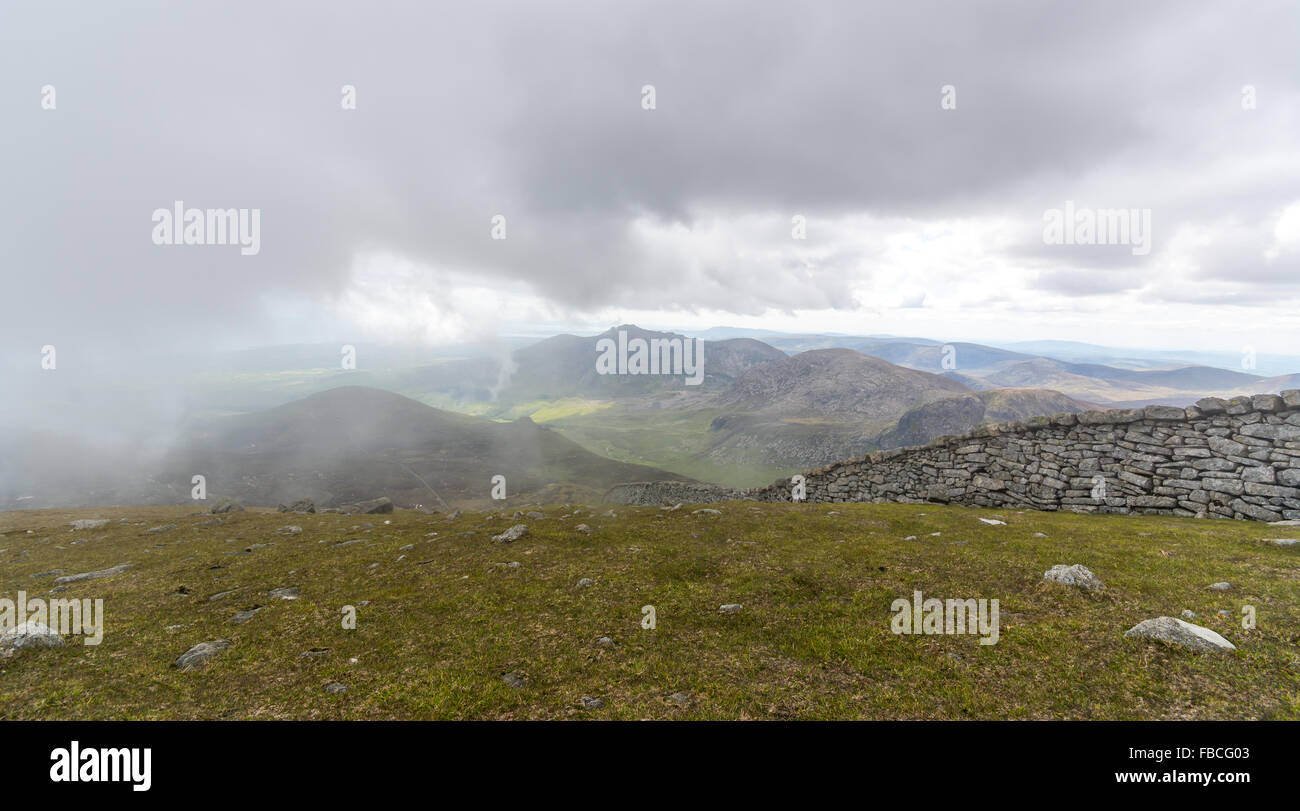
(199, 655)
(511, 535)
(30, 634)
(1078, 576)
(1173, 631)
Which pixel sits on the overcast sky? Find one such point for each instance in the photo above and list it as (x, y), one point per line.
(920, 220)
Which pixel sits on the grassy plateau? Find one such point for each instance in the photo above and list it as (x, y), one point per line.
(443, 613)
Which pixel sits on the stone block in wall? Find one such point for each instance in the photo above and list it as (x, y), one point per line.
(1159, 412)
(1291, 398)
(1268, 403)
(1254, 511)
(1265, 430)
(1238, 406)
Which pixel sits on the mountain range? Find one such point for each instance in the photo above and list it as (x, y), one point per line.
(435, 427)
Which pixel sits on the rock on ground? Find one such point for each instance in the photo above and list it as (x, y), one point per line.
(88, 523)
(1173, 631)
(226, 505)
(109, 572)
(199, 655)
(1078, 575)
(30, 634)
(511, 535)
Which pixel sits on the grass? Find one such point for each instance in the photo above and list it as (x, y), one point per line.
(669, 440)
(444, 622)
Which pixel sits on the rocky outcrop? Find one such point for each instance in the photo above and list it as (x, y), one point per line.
(1237, 458)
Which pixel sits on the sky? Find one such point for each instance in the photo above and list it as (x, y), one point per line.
(922, 148)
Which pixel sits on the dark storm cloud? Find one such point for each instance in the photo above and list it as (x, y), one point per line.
(532, 110)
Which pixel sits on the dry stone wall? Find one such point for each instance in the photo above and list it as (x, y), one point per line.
(1237, 458)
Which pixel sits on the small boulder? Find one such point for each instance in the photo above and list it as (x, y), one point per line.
(511, 535)
(227, 505)
(1173, 631)
(30, 634)
(730, 608)
(199, 655)
(1078, 575)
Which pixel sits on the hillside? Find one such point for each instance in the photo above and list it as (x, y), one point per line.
(444, 615)
(354, 443)
(834, 383)
(342, 445)
(958, 415)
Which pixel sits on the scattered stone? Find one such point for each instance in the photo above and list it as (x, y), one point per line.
(605, 642)
(730, 608)
(302, 506)
(199, 655)
(673, 508)
(226, 505)
(109, 572)
(289, 530)
(160, 528)
(586, 581)
(244, 616)
(680, 699)
(1173, 631)
(1283, 541)
(286, 593)
(1040, 535)
(214, 521)
(334, 688)
(992, 522)
(583, 528)
(534, 515)
(515, 680)
(50, 573)
(219, 595)
(1077, 575)
(453, 515)
(589, 703)
(30, 634)
(706, 511)
(1220, 586)
(1188, 614)
(511, 535)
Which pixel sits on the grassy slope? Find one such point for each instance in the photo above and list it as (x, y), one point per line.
(813, 640)
(673, 439)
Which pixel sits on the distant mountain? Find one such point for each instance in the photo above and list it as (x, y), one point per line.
(355, 443)
(958, 415)
(1109, 384)
(565, 366)
(343, 445)
(837, 383)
